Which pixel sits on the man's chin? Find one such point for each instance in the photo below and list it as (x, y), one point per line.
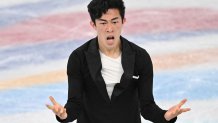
(110, 47)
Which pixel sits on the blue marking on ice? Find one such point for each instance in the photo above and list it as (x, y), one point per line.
(194, 84)
(13, 57)
(31, 99)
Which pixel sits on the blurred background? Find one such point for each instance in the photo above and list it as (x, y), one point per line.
(37, 37)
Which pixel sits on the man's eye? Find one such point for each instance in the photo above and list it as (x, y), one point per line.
(115, 22)
(103, 23)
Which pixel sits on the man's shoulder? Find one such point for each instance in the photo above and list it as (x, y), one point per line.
(79, 52)
(142, 57)
(83, 48)
(136, 48)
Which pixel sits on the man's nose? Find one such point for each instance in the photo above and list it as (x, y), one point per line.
(109, 28)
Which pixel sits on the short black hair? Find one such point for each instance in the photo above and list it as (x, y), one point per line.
(98, 7)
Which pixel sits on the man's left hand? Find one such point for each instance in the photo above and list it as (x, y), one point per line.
(176, 110)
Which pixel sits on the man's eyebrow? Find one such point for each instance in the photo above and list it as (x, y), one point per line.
(115, 18)
(106, 20)
(101, 19)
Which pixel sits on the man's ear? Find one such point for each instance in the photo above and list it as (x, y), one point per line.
(93, 25)
(124, 20)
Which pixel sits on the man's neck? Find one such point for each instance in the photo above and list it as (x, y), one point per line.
(113, 53)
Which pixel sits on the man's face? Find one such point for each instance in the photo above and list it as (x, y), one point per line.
(109, 28)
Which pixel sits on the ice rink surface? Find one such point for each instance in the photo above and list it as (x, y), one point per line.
(37, 36)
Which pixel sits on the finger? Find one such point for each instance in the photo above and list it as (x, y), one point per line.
(52, 100)
(49, 107)
(182, 103)
(185, 110)
(55, 109)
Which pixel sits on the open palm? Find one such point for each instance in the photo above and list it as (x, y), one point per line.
(176, 110)
(58, 109)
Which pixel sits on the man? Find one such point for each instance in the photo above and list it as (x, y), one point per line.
(110, 79)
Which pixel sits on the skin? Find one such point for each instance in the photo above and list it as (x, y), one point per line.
(110, 25)
(58, 109)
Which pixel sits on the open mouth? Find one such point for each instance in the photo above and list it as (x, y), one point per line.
(110, 38)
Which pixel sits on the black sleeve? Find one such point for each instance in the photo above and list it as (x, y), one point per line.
(74, 104)
(149, 110)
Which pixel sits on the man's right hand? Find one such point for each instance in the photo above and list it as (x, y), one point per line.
(59, 110)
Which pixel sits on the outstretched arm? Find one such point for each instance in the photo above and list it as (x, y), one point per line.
(149, 110)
